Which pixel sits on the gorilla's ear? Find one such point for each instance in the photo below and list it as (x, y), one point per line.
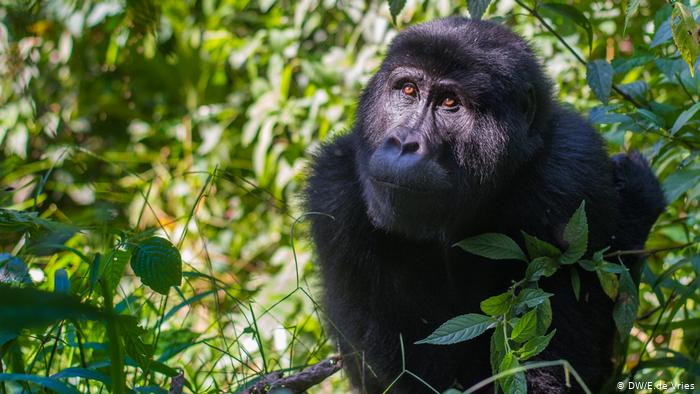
(529, 105)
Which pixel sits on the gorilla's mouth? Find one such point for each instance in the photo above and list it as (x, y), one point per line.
(404, 187)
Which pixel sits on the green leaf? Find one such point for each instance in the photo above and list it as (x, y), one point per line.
(588, 265)
(493, 246)
(576, 235)
(477, 8)
(684, 117)
(497, 305)
(52, 384)
(77, 372)
(157, 262)
(395, 8)
(498, 348)
(538, 248)
(599, 75)
(525, 328)
(460, 329)
(574, 15)
(544, 317)
(680, 182)
(539, 267)
(25, 307)
(632, 7)
(131, 334)
(575, 282)
(515, 383)
(625, 310)
(535, 346)
(531, 298)
(609, 283)
(685, 34)
(114, 268)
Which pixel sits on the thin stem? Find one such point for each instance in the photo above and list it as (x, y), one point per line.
(578, 57)
(646, 252)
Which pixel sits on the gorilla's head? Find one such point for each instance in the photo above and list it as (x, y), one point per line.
(457, 107)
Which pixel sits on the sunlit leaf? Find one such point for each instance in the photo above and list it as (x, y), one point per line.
(685, 34)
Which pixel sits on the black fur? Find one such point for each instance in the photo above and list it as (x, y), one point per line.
(414, 176)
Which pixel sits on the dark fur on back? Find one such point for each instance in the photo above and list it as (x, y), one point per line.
(512, 172)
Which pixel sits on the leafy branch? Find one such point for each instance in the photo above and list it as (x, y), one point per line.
(522, 315)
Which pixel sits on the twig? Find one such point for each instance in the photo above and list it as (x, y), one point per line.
(578, 57)
(646, 252)
(300, 381)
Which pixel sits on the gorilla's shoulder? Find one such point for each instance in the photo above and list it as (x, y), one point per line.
(332, 175)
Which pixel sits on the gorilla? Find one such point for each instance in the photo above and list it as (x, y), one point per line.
(457, 134)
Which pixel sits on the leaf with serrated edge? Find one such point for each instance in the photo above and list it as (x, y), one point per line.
(625, 310)
(539, 248)
(493, 246)
(531, 298)
(526, 327)
(158, 263)
(459, 329)
(497, 305)
(599, 75)
(535, 346)
(515, 383)
(685, 34)
(576, 235)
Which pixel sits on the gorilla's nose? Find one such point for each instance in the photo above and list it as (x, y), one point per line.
(404, 144)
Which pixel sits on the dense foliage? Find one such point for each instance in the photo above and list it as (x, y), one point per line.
(152, 153)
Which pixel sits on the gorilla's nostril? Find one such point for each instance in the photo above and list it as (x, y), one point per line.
(410, 147)
(394, 142)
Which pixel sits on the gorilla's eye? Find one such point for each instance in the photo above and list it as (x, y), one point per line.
(449, 102)
(409, 89)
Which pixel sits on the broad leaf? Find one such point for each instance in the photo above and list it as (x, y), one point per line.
(54, 385)
(632, 7)
(395, 8)
(535, 346)
(625, 310)
(576, 235)
(609, 283)
(685, 34)
(477, 8)
(459, 329)
(544, 317)
(680, 182)
(515, 383)
(497, 348)
(26, 307)
(157, 262)
(114, 268)
(531, 298)
(684, 117)
(525, 328)
(539, 267)
(538, 248)
(497, 305)
(599, 75)
(493, 246)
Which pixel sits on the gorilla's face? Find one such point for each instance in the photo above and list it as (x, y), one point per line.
(444, 122)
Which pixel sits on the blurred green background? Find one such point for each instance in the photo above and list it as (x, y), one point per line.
(194, 120)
